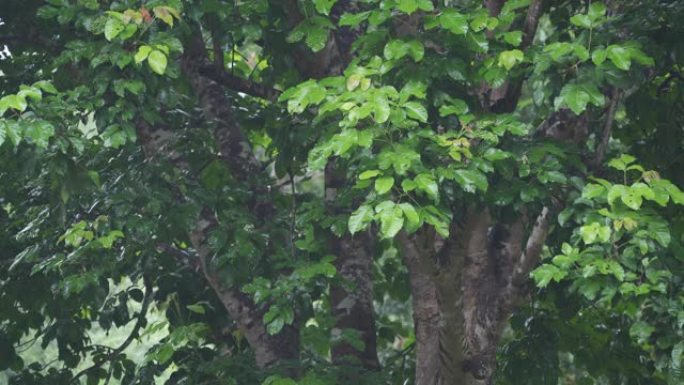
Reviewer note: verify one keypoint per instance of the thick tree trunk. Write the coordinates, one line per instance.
(464, 292)
(352, 300)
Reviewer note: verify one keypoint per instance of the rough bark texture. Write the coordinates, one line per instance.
(235, 150)
(352, 300)
(464, 292)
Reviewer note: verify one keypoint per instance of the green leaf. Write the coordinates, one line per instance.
(353, 19)
(157, 61)
(407, 6)
(620, 56)
(508, 59)
(641, 330)
(595, 232)
(416, 50)
(597, 10)
(396, 49)
(513, 38)
(113, 27)
(427, 184)
(592, 191)
(39, 132)
(16, 102)
(416, 111)
(471, 179)
(381, 109)
(599, 56)
(368, 174)
(581, 21)
(196, 308)
(360, 219)
(384, 184)
(143, 52)
(391, 221)
(324, 6)
(576, 97)
(316, 38)
(544, 274)
(454, 21)
(412, 217)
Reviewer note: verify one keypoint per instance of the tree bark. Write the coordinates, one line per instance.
(464, 292)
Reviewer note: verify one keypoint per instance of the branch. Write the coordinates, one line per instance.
(220, 76)
(607, 127)
(533, 248)
(505, 98)
(134, 333)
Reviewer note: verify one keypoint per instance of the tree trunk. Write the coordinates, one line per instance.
(464, 292)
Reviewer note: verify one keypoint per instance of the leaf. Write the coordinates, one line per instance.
(39, 132)
(360, 219)
(597, 10)
(416, 50)
(407, 6)
(427, 184)
(416, 111)
(316, 38)
(157, 61)
(113, 28)
(641, 330)
(353, 19)
(391, 221)
(544, 274)
(13, 101)
(324, 6)
(163, 13)
(353, 81)
(599, 56)
(381, 109)
(196, 308)
(620, 56)
(471, 179)
(368, 174)
(575, 98)
(508, 59)
(595, 232)
(513, 38)
(384, 184)
(581, 21)
(143, 52)
(593, 190)
(412, 217)
(454, 21)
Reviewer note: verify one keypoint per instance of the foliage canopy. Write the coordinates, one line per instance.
(332, 191)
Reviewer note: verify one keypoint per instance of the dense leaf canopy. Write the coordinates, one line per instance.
(325, 192)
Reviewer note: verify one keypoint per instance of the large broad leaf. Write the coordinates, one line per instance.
(113, 28)
(454, 21)
(360, 219)
(391, 221)
(157, 61)
(384, 184)
(416, 111)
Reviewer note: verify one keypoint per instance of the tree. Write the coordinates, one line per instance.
(287, 179)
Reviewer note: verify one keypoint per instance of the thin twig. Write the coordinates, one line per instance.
(607, 127)
(134, 333)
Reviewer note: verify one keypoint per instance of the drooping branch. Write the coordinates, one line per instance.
(235, 83)
(135, 332)
(268, 349)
